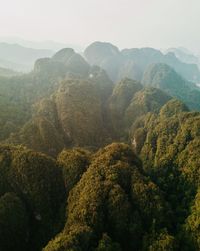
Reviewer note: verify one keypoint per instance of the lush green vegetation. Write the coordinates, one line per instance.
(168, 144)
(164, 77)
(32, 196)
(108, 200)
(92, 194)
(113, 205)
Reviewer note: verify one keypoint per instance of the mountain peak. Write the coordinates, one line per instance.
(63, 55)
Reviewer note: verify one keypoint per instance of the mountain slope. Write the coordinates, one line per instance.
(122, 197)
(18, 94)
(132, 63)
(164, 77)
(107, 202)
(31, 185)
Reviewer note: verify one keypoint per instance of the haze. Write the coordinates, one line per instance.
(126, 23)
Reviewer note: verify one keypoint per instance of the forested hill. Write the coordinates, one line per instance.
(92, 164)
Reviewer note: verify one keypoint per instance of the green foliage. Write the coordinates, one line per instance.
(161, 242)
(164, 77)
(40, 135)
(79, 106)
(14, 230)
(155, 211)
(192, 226)
(173, 107)
(75, 115)
(169, 147)
(77, 238)
(144, 101)
(120, 99)
(14, 110)
(19, 93)
(5, 165)
(110, 199)
(37, 181)
(168, 137)
(106, 244)
(74, 163)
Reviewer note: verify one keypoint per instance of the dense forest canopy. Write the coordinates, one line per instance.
(100, 152)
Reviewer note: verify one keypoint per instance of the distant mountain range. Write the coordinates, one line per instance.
(185, 55)
(47, 44)
(19, 55)
(133, 62)
(19, 58)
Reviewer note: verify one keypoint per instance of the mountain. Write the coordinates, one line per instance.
(89, 165)
(73, 61)
(184, 55)
(44, 45)
(85, 113)
(41, 104)
(112, 198)
(122, 94)
(78, 105)
(98, 52)
(132, 63)
(106, 205)
(19, 58)
(73, 117)
(164, 77)
(19, 93)
(144, 101)
(168, 145)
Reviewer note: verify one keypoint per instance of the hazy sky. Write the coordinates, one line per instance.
(126, 23)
